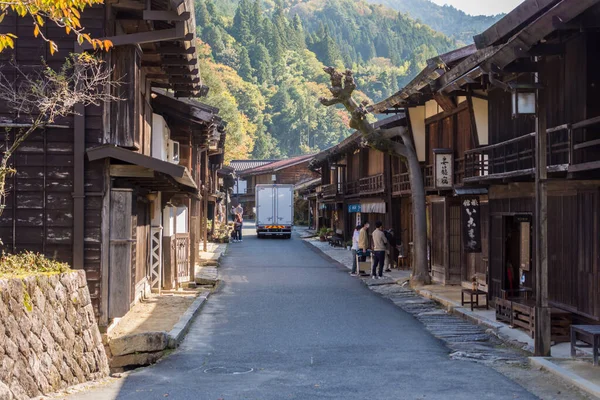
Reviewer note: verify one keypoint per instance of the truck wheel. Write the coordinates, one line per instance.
(288, 236)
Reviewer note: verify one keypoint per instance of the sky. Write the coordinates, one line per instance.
(479, 7)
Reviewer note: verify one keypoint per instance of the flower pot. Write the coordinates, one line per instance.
(322, 238)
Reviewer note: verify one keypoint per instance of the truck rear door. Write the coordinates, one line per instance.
(265, 197)
(284, 206)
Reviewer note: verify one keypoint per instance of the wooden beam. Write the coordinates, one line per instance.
(167, 62)
(181, 71)
(130, 171)
(172, 50)
(446, 102)
(172, 81)
(129, 5)
(161, 35)
(156, 15)
(513, 20)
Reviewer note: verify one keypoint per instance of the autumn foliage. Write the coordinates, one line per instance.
(64, 13)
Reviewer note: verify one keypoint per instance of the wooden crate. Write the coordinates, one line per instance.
(504, 310)
(523, 317)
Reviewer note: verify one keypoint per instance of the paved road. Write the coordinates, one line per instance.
(306, 330)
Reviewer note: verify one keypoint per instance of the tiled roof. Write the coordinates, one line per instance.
(242, 165)
(277, 165)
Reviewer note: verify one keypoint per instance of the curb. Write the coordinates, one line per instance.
(177, 333)
(566, 375)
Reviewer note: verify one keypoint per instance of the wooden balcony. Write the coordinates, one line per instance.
(401, 184)
(372, 184)
(571, 148)
(352, 189)
(330, 191)
(428, 177)
(365, 186)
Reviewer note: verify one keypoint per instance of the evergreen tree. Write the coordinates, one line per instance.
(203, 18)
(261, 62)
(241, 29)
(212, 35)
(245, 69)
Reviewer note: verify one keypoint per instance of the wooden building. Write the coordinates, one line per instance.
(532, 73)
(118, 191)
(356, 186)
(290, 171)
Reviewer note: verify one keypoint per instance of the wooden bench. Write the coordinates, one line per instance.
(589, 334)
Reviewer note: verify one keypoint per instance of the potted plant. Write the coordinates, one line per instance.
(323, 234)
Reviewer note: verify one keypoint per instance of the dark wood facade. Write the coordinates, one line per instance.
(87, 193)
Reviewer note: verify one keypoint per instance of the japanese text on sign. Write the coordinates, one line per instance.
(471, 216)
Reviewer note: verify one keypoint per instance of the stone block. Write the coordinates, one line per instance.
(138, 343)
(138, 359)
(5, 392)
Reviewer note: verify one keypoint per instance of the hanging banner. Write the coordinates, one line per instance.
(471, 221)
(443, 168)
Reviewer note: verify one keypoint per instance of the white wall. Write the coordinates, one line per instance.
(480, 109)
(182, 220)
(417, 122)
(168, 221)
(160, 136)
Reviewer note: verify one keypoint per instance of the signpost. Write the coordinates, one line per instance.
(443, 169)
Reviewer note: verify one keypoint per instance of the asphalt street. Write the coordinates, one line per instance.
(287, 323)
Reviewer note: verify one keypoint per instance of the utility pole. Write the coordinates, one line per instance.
(542, 340)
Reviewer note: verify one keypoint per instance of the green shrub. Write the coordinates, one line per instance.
(29, 263)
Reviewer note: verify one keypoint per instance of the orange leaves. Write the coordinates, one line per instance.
(64, 13)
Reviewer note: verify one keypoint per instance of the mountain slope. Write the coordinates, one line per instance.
(446, 19)
(264, 65)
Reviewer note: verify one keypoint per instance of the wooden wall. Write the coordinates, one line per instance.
(573, 237)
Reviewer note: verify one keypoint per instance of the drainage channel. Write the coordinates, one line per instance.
(467, 341)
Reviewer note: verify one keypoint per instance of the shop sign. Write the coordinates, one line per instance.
(354, 208)
(444, 168)
(471, 221)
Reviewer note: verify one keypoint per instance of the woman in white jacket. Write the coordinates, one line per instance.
(355, 236)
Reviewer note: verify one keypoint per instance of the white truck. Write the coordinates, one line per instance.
(274, 210)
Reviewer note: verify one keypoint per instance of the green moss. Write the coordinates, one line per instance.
(27, 302)
(27, 264)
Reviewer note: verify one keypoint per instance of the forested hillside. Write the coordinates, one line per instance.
(263, 62)
(446, 19)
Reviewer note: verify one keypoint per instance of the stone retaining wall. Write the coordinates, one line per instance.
(49, 336)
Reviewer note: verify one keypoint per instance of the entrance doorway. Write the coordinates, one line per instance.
(517, 253)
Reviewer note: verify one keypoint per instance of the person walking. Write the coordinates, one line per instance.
(237, 229)
(363, 241)
(239, 210)
(239, 222)
(355, 237)
(379, 247)
(390, 253)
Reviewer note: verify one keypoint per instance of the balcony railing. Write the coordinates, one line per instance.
(428, 177)
(401, 184)
(372, 184)
(352, 188)
(330, 190)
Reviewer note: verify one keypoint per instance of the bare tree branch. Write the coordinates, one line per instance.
(38, 95)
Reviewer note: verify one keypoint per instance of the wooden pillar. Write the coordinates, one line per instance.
(542, 341)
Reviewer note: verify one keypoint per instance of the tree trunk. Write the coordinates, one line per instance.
(342, 87)
(417, 189)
